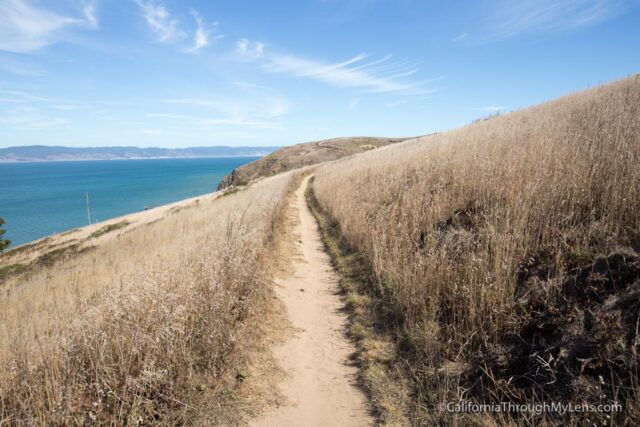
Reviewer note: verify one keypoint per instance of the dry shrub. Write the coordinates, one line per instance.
(167, 347)
(472, 237)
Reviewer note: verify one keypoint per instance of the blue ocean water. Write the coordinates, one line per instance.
(40, 199)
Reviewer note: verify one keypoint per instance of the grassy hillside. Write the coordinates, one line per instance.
(150, 322)
(502, 260)
(496, 263)
(306, 154)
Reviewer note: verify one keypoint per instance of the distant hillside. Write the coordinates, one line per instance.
(305, 154)
(40, 153)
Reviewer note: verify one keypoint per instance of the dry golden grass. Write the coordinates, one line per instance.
(153, 326)
(385, 387)
(484, 244)
(302, 155)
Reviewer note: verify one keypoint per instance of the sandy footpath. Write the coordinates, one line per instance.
(320, 382)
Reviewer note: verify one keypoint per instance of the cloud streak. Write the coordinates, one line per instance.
(511, 18)
(35, 109)
(29, 118)
(257, 106)
(89, 12)
(207, 121)
(203, 33)
(249, 50)
(18, 97)
(169, 29)
(160, 21)
(21, 69)
(460, 37)
(493, 108)
(201, 38)
(24, 27)
(382, 75)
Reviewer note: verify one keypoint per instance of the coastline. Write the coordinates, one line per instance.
(91, 234)
(45, 198)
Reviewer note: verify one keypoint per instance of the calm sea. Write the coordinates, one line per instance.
(39, 199)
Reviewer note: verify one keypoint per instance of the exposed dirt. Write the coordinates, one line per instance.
(320, 384)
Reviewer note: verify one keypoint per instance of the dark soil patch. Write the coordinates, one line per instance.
(108, 229)
(8, 270)
(576, 337)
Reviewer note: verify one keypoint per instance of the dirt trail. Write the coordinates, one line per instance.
(320, 382)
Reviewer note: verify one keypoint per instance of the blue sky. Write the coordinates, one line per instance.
(183, 73)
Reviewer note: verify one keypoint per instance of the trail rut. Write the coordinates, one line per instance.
(320, 383)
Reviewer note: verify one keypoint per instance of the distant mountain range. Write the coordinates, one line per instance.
(44, 153)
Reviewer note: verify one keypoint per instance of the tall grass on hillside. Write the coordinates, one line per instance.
(160, 325)
(505, 255)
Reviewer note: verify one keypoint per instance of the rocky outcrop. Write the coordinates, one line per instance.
(227, 181)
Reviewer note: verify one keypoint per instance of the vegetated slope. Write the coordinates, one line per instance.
(152, 326)
(504, 258)
(306, 154)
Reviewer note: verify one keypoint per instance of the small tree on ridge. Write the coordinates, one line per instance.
(3, 242)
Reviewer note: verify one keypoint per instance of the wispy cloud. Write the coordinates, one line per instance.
(27, 111)
(460, 37)
(493, 108)
(241, 108)
(152, 131)
(20, 68)
(29, 118)
(395, 103)
(89, 12)
(255, 106)
(160, 21)
(170, 29)
(204, 32)
(381, 75)
(25, 27)
(249, 50)
(30, 102)
(252, 101)
(207, 121)
(353, 103)
(15, 96)
(201, 38)
(68, 107)
(511, 18)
